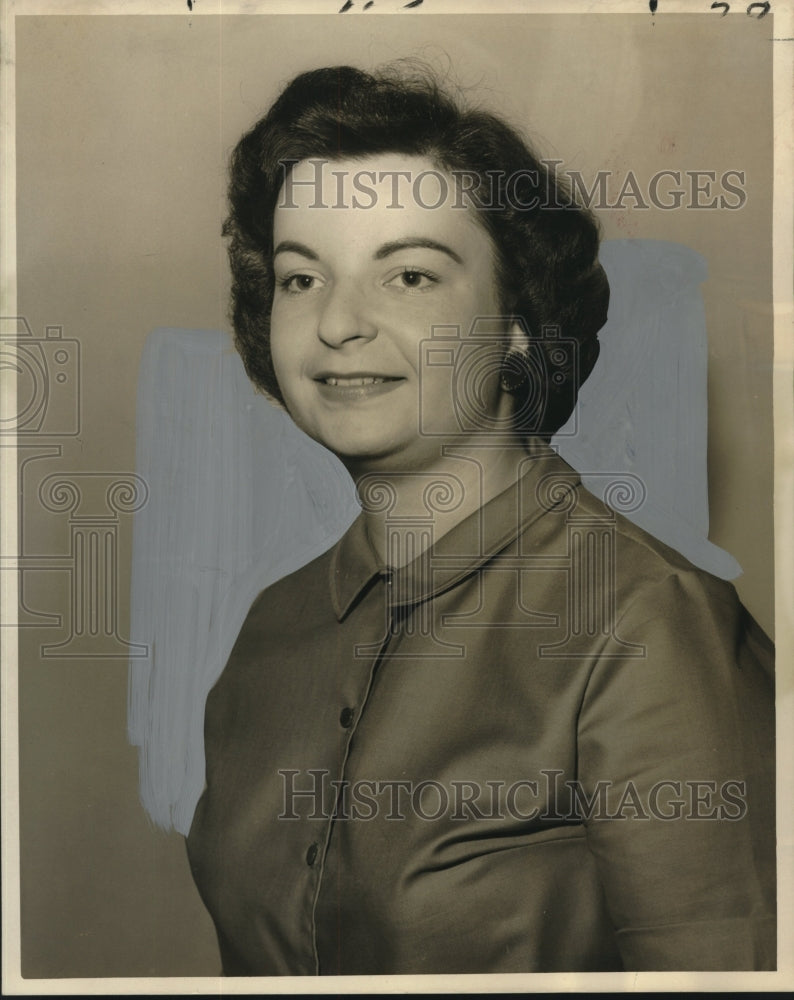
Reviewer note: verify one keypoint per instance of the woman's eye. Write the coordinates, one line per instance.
(296, 283)
(414, 279)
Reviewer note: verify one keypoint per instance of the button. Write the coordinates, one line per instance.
(311, 854)
(346, 717)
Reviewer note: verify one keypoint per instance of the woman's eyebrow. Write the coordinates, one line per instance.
(290, 246)
(410, 242)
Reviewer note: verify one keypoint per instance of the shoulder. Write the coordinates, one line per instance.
(669, 631)
(304, 592)
(680, 649)
(605, 533)
(647, 576)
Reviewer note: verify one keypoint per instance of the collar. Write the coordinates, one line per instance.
(464, 548)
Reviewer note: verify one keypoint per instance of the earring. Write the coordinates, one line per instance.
(514, 372)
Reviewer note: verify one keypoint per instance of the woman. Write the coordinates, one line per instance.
(497, 728)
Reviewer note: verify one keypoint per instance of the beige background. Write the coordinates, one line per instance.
(123, 129)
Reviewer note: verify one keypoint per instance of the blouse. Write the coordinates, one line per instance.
(545, 744)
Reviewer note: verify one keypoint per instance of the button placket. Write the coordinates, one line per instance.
(391, 626)
(347, 717)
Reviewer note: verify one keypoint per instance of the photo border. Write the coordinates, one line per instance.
(783, 256)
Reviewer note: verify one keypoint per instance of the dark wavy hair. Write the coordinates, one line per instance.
(546, 246)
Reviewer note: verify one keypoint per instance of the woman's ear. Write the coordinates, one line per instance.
(517, 338)
(515, 368)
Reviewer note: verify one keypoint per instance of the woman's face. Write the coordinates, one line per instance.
(358, 292)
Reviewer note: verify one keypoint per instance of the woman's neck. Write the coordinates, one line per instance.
(407, 511)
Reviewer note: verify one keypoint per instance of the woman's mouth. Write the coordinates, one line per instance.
(356, 386)
(363, 380)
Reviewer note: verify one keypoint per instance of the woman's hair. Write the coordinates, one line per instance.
(545, 245)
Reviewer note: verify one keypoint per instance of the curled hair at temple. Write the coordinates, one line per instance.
(546, 246)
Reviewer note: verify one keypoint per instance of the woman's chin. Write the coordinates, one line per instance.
(379, 454)
(357, 442)
(368, 455)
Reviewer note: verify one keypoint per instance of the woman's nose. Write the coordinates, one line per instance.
(345, 317)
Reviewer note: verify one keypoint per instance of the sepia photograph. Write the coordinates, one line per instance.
(397, 491)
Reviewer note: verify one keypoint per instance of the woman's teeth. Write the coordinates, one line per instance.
(354, 381)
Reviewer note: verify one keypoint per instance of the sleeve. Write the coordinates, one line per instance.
(680, 741)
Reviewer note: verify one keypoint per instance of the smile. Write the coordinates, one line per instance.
(354, 378)
(356, 387)
(364, 380)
